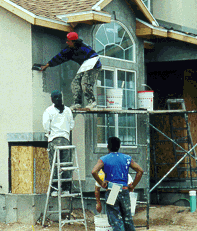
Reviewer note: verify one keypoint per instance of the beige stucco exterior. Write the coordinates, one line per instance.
(180, 12)
(16, 84)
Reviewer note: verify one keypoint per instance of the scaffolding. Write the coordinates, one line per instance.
(183, 161)
(144, 116)
(149, 128)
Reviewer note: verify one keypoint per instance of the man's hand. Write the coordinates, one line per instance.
(44, 67)
(131, 187)
(104, 184)
(98, 207)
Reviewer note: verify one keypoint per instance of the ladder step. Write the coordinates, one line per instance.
(72, 221)
(71, 195)
(69, 168)
(63, 180)
(63, 211)
(65, 147)
(65, 163)
(175, 101)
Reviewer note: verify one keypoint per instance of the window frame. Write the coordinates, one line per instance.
(130, 66)
(131, 37)
(115, 76)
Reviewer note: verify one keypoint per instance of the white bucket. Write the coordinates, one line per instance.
(101, 223)
(114, 98)
(145, 100)
(133, 200)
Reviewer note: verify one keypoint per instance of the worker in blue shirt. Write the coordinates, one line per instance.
(116, 168)
(79, 52)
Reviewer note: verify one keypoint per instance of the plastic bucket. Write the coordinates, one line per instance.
(114, 98)
(145, 100)
(101, 223)
(192, 195)
(133, 200)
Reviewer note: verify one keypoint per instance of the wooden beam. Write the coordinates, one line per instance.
(146, 31)
(88, 17)
(142, 30)
(159, 33)
(182, 37)
(144, 10)
(52, 25)
(101, 18)
(104, 3)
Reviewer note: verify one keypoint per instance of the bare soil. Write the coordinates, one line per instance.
(162, 218)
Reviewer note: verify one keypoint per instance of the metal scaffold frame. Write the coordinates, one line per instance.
(148, 125)
(187, 152)
(147, 172)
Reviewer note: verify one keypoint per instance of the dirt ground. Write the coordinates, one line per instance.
(162, 218)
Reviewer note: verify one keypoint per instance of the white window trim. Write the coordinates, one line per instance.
(148, 4)
(131, 37)
(115, 69)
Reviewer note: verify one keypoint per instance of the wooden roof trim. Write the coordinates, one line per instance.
(85, 17)
(182, 37)
(101, 4)
(146, 30)
(146, 12)
(32, 18)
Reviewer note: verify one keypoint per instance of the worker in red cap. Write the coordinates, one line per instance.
(84, 81)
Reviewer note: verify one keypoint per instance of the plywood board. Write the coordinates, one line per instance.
(22, 182)
(21, 158)
(29, 169)
(42, 169)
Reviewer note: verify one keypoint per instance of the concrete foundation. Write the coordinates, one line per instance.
(27, 208)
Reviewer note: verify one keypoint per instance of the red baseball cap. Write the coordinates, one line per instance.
(72, 36)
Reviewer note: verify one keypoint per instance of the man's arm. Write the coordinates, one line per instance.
(139, 173)
(95, 171)
(58, 59)
(97, 195)
(46, 123)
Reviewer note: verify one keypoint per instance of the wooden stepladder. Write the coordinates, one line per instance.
(61, 167)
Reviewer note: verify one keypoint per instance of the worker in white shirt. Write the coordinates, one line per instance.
(98, 187)
(58, 122)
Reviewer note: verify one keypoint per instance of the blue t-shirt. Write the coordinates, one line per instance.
(116, 167)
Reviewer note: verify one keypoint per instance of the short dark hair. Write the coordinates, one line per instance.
(114, 144)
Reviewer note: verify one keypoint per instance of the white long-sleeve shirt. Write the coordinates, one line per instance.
(57, 124)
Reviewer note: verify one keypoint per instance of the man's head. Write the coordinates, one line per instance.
(113, 144)
(71, 39)
(56, 97)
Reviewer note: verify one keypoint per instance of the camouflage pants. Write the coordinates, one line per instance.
(64, 157)
(84, 82)
(119, 214)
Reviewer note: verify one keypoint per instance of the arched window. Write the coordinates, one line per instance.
(113, 40)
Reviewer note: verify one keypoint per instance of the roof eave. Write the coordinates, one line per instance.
(86, 17)
(146, 12)
(147, 31)
(32, 18)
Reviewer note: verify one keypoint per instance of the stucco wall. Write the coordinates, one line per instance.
(16, 84)
(120, 12)
(179, 12)
(46, 43)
